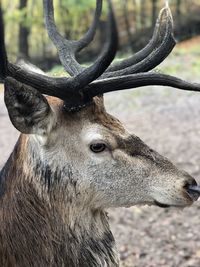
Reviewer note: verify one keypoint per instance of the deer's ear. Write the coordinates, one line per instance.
(28, 110)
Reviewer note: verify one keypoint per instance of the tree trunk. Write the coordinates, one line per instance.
(178, 9)
(24, 32)
(142, 14)
(135, 15)
(154, 12)
(127, 24)
(178, 15)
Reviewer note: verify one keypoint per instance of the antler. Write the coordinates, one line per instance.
(78, 90)
(68, 89)
(136, 81)
(67, 50)
(3, 55)
(153, 54)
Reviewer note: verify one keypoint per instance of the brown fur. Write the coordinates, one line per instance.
(34, 230)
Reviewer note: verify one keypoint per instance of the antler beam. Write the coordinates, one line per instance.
(3, 55)
(138, 80)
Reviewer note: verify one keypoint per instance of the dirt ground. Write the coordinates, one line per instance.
(168, 120)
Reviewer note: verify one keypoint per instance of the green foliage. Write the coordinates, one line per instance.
(73, 18)
(57, 71)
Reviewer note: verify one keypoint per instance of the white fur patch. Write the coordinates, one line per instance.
(92, 135)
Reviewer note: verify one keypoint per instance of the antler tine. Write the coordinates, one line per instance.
(158, 54)
(103, 61)
(136, 81)
(67, 49)
(158, 35)
(3, 54)
(89, 36)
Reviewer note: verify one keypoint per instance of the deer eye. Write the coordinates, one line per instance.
(97, 148)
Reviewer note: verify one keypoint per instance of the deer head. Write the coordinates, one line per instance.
(85, 148)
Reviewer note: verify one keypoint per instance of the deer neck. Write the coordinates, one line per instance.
(48, 216)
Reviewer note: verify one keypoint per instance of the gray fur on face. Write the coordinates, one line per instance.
(127, 173)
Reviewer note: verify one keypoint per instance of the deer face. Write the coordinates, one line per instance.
(110, 166)
(118, 167)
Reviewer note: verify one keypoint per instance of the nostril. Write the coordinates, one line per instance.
(193, 190)
(190, 182)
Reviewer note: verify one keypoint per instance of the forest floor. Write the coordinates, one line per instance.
(169, 121)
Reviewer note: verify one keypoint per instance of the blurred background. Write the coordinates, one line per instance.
(165, 118)
(26, 36)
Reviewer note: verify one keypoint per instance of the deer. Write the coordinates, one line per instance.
(73, 160)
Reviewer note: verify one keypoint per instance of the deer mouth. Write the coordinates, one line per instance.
(161, 205)
(191, 193)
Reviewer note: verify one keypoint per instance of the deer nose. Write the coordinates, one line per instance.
(193, 190)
